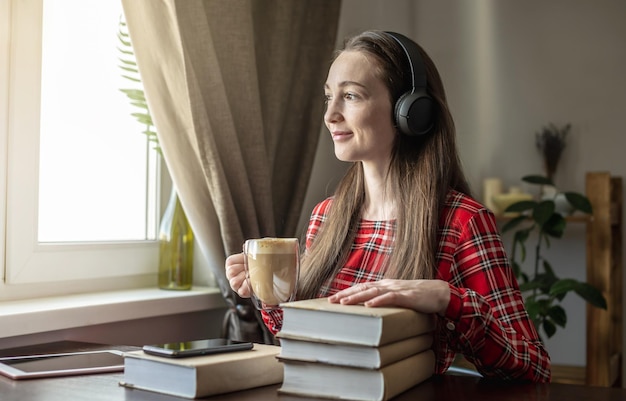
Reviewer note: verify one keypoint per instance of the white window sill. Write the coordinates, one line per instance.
(63, 312)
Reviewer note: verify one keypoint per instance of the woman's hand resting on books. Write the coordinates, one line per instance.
(236, 275)
(427, 296)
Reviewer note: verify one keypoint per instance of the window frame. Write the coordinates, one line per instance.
(33, 269)
(5, 36)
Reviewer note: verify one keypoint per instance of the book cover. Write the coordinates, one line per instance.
(201, 376)
(322, 321)
(362, 356)
(342, 382)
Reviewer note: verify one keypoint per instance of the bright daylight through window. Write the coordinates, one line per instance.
(94, 162)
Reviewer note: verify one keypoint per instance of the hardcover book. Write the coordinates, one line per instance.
(201, 376)
(342, 382)
(361, 356)
(321, 321)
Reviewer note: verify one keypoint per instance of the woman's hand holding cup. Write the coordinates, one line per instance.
(236, 275)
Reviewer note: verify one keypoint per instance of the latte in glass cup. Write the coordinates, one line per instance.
(272, 268)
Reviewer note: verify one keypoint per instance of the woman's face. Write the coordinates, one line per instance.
(358, 114)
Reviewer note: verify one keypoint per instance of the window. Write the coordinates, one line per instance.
(81, 181)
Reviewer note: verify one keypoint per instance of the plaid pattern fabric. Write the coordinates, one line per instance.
(486, 320)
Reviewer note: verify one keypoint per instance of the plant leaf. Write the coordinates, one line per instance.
(557, 315)
(544, 305)
(511, 224)
(543, 211)
(532, 307)
(133, 73)
(143, 118)
(549, 328)
(134, 94)
(140, 104)
(123, 41)
(555, 226)
(591, 294)
(563, 286)
(127, 63)
(537, 179)
(579, 202)
(522, 235)
(520, 238)
(547, 268)
(130, 71)
(546, 281)
(127, 52)
(133, 79)
(529, 286)
(549, 271)
(521, 206)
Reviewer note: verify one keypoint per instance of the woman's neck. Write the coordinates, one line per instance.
(380, 202)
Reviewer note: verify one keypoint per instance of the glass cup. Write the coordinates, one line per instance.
(272, 268)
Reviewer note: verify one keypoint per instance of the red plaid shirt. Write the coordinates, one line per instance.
(486, 320)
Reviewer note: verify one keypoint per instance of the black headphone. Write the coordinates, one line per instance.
(413, 112)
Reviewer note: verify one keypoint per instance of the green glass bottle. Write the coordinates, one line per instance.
(175, 247)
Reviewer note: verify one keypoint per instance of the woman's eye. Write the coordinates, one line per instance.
(327, 99)
(350, 96)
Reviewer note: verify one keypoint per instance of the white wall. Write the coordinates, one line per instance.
(510, 67)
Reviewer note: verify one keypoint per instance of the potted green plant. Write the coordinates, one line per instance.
(543, 291)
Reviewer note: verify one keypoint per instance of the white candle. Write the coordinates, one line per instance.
(491, 187)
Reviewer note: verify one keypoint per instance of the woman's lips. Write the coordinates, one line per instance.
(341, 135)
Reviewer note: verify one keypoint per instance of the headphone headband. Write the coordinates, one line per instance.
(413, 112)
(416, 64)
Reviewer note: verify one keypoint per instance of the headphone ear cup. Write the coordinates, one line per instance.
(414, 113)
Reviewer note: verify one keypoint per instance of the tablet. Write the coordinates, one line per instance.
(64, 364)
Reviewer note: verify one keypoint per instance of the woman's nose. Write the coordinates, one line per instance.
(332, 113)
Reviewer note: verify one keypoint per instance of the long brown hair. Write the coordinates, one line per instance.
(422, 171)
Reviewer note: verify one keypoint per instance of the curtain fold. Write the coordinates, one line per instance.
(235, 90)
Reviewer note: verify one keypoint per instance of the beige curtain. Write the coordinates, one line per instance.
(235, 90)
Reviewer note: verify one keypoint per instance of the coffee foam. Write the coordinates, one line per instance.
(273, 245)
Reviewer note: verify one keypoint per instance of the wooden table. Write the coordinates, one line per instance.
(104, 387)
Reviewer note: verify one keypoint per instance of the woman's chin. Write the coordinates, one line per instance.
(341, 156)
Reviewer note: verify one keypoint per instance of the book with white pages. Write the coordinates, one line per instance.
(312, 379)
(335, 353)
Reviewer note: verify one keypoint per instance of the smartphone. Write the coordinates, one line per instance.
(197, 347)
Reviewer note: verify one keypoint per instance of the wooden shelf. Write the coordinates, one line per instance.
(604, 271)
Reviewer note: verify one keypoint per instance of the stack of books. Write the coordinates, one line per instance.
(352, 351)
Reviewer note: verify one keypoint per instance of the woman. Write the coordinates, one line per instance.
(402, 228)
